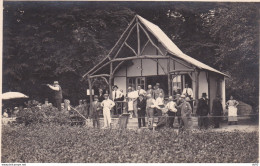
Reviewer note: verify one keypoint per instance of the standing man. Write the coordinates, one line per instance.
(57, 94)
(94, 113)
(203, 111)
(185, 112)
(150, 103)
(107, 104)
(157, 91)
(100, 95)
(150, 91)
(217, 111)
(159, 102)
(116, 94)
(188, 93)
(172, 111)
(141, 106)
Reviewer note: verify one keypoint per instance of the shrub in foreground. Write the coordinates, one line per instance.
(54, 143)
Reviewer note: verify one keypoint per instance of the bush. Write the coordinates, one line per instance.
(55, 143)
(44, 115)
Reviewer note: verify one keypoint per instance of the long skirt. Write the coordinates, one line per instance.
(232, 114)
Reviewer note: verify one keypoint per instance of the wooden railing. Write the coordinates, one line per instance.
(119, 108)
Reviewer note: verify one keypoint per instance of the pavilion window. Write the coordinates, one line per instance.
(136, 81)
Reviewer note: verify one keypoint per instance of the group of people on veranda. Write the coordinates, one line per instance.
(146, 104)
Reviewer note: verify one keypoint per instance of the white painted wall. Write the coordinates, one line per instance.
(121, 83)
(121, 71)
(149, 49)
(179, 66)
(161, 47)
(149, 67)
(135, 69)
(162, 66)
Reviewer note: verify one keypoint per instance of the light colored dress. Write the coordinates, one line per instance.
(232, 110)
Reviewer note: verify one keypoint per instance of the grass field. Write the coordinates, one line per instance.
(53, 143)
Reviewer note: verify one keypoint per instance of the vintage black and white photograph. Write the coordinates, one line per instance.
(130, 82)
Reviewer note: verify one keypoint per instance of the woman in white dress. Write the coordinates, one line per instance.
(131, 96)
(232, 110)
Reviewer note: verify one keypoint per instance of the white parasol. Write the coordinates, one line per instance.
(13, 95)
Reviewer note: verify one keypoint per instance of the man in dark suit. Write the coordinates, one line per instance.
(94, 113)
(203, 111)
(217, 111)
(141, 107)
(100, 95)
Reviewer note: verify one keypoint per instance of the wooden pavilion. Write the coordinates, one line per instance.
(145, 55)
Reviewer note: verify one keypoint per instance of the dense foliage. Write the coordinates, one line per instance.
(45, 115)
(46, 41)
(52, 143)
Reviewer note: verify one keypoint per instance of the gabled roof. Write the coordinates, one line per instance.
(172, 48)
(164, 40)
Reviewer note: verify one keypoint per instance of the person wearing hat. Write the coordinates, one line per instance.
(100, 95)
(157, 91)
(94, 113)
(80, 107)
(203, 111)
(185, 112)
(172, 111)
(57, 94)
(107, 105)
(217, 111)
(187, 91)
(141, 106)
(116, 93)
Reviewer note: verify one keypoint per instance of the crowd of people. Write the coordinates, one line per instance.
(148, 104)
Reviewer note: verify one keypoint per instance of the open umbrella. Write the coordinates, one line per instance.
(13, 95)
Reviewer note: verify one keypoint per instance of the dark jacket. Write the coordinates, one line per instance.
(217, 108)
(203, 107)
(185, 109)
(96, 107)
(58, 94)
(100, 98)
(142, 106)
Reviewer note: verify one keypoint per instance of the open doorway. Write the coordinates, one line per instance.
(178, 83)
